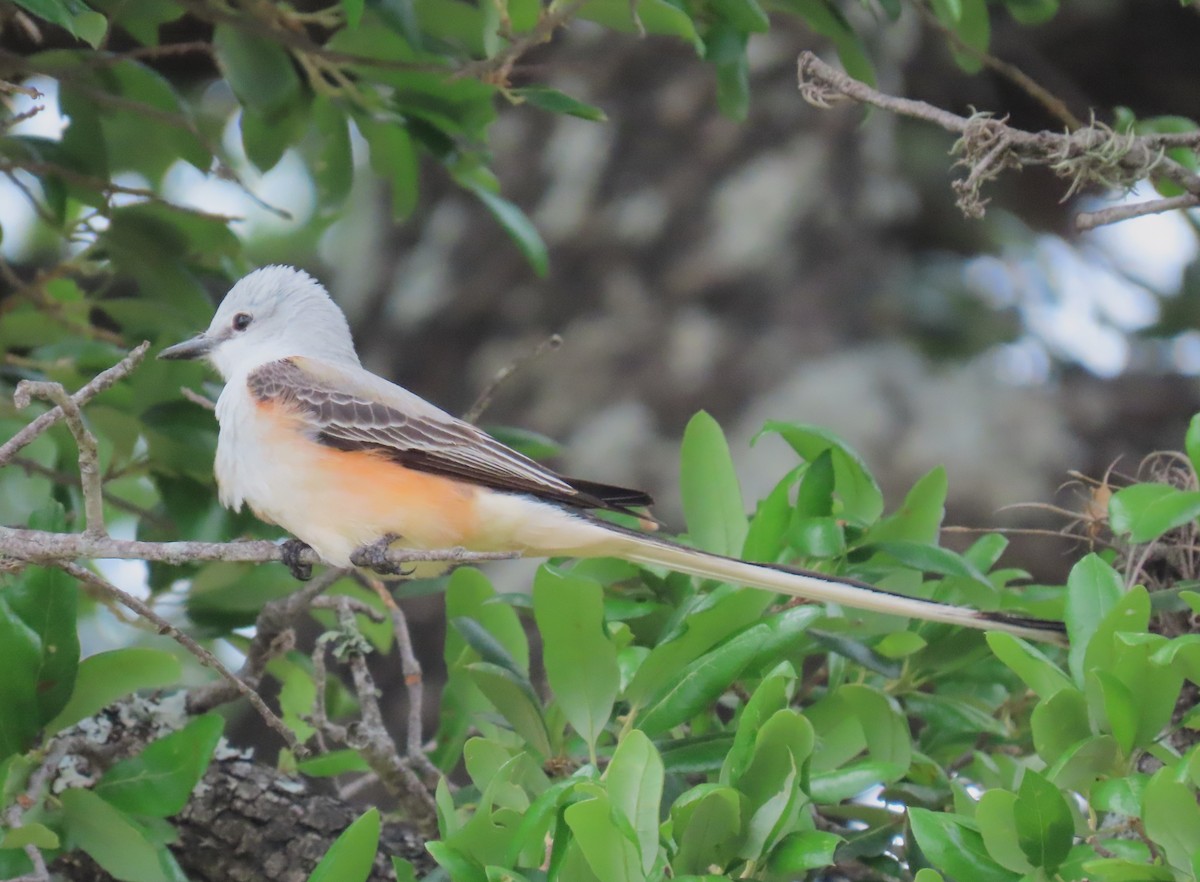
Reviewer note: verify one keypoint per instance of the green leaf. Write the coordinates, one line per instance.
(1146, 511)
(717, 619)
(37, 835)
(336, 762)
(612, 856)
(770, 782)
(1085, 763)
(948, 11)
(1032, 12)
(634, 780)
(404, 870)
(110, 838)
(861, 498)
(805, 851)
(1172, 819)
(73, 16)
(460, 867)
(159, 780)
(1114, 703)
(647, 17)
(1045, 828)
(837, 785)
(515, 222)
(20, 660)
(44, 600)
(919, 518)
(1029, 663)
(772, 695)
(1059, 722)
(900, 644)
(707, 822)
(352, 854)
(712, 497)
(581, 662)
(1093, 589)
(353, 10)
(702, 682)
(975, 30)
(394, 159)
(107, 676)
(514, 697)
(1191, 442)
(828, 21)
(545, 98)
(996, 817)
(818, 537)
(258, 70)
(931, 559)
(954, 846)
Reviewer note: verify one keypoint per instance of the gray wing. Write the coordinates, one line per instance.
(347, 416)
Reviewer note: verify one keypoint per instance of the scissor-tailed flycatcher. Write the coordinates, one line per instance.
(342, 458)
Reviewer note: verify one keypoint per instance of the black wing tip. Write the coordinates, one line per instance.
(1048, 625)
(610, 494)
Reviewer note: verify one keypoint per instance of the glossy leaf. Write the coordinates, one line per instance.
(159, 781)
(110, 838)
(107, 676)
(712, 496)
(581, 662)
(352, 854)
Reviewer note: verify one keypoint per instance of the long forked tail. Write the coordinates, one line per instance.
(640, 548)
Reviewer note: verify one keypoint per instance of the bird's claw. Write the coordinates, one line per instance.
(291, 551)
(374, 557)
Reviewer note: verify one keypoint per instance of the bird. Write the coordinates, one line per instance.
(345, 460)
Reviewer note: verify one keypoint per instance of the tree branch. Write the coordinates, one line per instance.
(1091, 155)
(38, 547)
(93, 388)
(89, 465)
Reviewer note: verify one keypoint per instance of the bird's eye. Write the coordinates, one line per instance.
(241, 321)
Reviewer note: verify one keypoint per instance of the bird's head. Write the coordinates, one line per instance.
(274, 312)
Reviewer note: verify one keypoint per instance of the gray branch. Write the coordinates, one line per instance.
(97, 385)
(1090, 155)
(38, 547)
(89, 454)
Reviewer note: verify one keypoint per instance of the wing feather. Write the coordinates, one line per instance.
(361, 412)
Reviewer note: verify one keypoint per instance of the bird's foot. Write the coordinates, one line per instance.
(374, 557)
(291, 550)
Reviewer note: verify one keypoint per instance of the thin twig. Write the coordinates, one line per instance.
(489, 391)
(206, 658)
(32, 467)
(1094, 154)
(93, 388)
(196, 398)
(1054, 105)
(1089, 220)
(89, 465)
(273, 635)
(410, 667)
(370, 736)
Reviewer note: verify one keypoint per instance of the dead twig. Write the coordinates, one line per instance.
(475, 411)
(1091, 155)
(83, 574)
(89, 464)
(93, 388)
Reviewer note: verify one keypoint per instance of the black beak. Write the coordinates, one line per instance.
(197, 347)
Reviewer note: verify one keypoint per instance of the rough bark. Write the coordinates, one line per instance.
(248, 822)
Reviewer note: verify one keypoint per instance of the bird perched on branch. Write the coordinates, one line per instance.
(346, 461)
